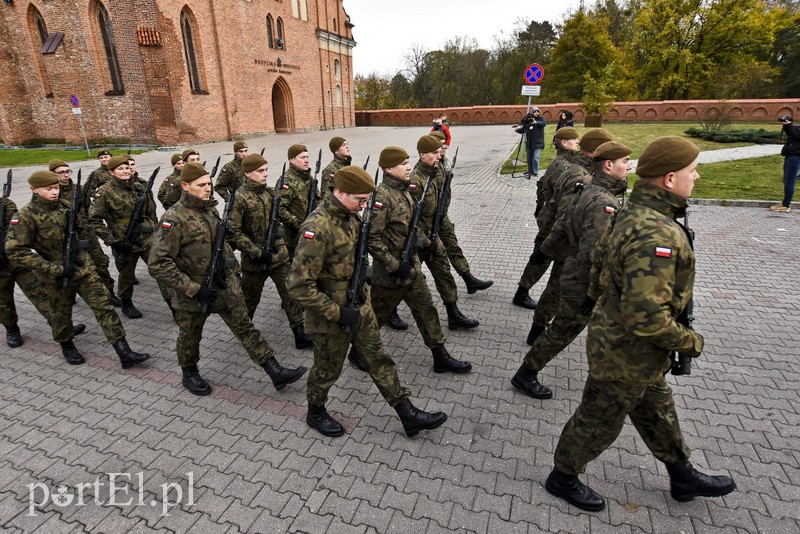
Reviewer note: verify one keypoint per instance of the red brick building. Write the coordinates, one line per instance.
(172, 72)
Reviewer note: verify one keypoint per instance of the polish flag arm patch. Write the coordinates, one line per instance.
(610, 209)
(308, 234)
(378, 205)
(285, 187)
(663, 252)
(14, 221)
(413, 187)
(166, 225)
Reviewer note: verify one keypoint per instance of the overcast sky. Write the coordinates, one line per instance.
(385, 30)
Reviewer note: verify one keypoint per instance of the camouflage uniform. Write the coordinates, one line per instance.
(320, 274)
(109, 216)
(578, 232)
(100, 176)
(231, 177)
(391, 216)
(294, 204)
(248, 225)
(36, 242)
(180, 257)
(650, 266)
(169, 192)
(326, 184)
(24, 278)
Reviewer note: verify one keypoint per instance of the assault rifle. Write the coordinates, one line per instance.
(410, 245)
(262, 151)
(312, 190)
(136, 218)
(441, 202)
(216, 271)
(355, 289)
(365, 165)
(683, 364)
(71, 242)
(272, 229)
(216, 166)
(4, 227)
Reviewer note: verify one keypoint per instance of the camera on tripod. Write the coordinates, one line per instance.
(785, 118)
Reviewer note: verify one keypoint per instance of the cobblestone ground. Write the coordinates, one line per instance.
(244, 460)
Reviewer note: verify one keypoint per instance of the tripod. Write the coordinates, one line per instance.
(516, 158)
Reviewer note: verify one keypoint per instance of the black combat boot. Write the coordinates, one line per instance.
(301, 339)
(575, 492)
(357, 360)
(71, 353)
(115, 300)
(527, 382)
(414, 419)
(127, 357)
(78, 329)
(473, 284)
(129, 310)
(282, 376)
(194, 382)
(686, 483)
(13, 336)
(536, 331)
(456, 319)
(443, 362)
(395, 322)
(319, 419)
(521, 298)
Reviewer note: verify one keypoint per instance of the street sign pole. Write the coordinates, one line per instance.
(533, 77)
(74, 102)
(83, 131)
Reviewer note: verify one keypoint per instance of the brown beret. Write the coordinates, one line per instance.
(391, 156)
(593, 139)
(566, 132)
(116, 161)
(56, 163)
(252, 162)
(175, 159)
(353, 179)
(43, 178)
(611, 150)
(188, 152)
(192, 171)
(103, 153)
(238, 145)
(665, 155)
(438, 134)
(427, 144)
(336, 143)
(296, 150)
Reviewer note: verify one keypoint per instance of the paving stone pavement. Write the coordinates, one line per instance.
(243, 459)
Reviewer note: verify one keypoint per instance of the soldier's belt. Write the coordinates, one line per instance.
(335, 285)
(119, 221)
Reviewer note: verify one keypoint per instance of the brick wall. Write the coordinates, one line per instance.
(666, 110)
(238, 72)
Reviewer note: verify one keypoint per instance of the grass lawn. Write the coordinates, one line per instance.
(40, 156)
(751, 179)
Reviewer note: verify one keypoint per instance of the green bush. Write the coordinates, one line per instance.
(758, 136)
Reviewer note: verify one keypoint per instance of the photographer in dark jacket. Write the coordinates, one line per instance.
(532, 126)
(791, 163)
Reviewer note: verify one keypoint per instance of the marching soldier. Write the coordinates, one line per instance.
(231, 176)
(110, 216)
(180, 258)
(101, 175)
(395, 280)
(341, 158)
(36, 242)
(294, 195)
(249, 222)
(190, 155)
(649, 264)
(566, 142)
(321, 272)
(169, 192)
(578, 231)
(565, 186)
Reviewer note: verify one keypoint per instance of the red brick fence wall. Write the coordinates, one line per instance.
(665, 110)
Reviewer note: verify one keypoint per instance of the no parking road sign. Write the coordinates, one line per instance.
(73, 99)
(533, 74)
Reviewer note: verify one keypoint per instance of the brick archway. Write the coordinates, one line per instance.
(282, 106)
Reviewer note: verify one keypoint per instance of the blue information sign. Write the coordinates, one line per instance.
(73, 99)
(533, 73)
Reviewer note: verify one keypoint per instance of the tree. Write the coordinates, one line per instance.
(371, 91)
(601, 92)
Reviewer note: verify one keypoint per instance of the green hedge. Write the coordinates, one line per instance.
(758, 136)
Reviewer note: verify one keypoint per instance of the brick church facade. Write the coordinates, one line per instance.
(171, 72)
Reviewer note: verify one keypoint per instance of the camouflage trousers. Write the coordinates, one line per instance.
(454, 252)
(190, 332)
(253, 286)
(562, 330)
(419, 299)
(439, 266)
(551, 296)
(330, 351)
(532, 274)
(127, 273)
(96, 296)
(31, 288)
(598, 421)
(101, 262)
